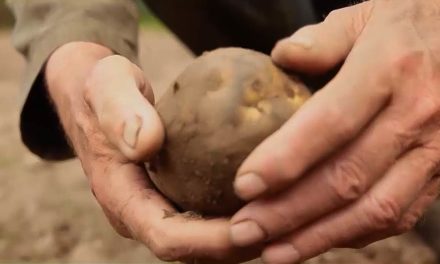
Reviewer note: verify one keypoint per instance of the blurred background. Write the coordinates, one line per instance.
(47, 212)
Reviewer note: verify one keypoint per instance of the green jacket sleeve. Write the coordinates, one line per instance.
(44, 25)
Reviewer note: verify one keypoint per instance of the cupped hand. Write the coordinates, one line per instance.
(106, 107)
(359, 162)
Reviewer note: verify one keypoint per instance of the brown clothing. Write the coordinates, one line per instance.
(44, 25)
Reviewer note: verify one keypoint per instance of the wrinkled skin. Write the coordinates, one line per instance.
(106, 107)
(369, 167)
(369, 172)
(222, 106)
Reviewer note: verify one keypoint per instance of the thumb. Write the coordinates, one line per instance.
(316, 49)
(123, 104)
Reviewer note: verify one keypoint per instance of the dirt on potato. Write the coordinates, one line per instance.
(49, 215)
(215, 114)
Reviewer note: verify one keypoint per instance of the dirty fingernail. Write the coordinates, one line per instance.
(249, 186)
(246, 233)
(131, 131)
(301, 40)
(281, 254)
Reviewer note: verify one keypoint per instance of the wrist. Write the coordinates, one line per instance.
(68, 67)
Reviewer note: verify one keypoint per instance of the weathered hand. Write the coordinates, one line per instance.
(102, 102)
(359, 162)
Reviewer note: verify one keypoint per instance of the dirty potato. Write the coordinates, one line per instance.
(218, 110)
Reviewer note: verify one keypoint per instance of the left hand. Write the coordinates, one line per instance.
(106, 106)
(359, 162)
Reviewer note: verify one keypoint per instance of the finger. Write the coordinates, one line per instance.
(124, 105)
(380, 210)
(319, 48)
(409, 219)
(117, 224)
(127, 194)
(331, 118)
(179, 237)
(333, 184)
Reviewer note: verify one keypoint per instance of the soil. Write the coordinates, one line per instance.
(48, 213)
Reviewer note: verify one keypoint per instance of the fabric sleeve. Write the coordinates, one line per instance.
(44, 25)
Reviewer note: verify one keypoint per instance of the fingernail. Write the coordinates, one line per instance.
(301, 40)
(249, 186)
(246, 233)
(281, 254)
(131, 131)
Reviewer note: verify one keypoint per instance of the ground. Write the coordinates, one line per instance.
(48, 213)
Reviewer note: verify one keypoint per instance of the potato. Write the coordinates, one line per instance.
(218, 110)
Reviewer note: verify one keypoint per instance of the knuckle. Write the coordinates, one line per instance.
(385, 213)
(402, 137)
(306, 30)
(335, 15)
(346, 127)
(407, 61)
(353, 17)
(427, 107)
(409, 58)
(346, 179)
(427, 161)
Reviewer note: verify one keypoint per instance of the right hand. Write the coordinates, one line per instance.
(107, 110)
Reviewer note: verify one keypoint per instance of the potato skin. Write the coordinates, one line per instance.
(218, 110)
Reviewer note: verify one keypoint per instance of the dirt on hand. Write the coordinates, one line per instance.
(48, 213)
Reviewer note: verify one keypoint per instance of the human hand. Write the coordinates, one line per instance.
(106, 107)
(360, 161)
